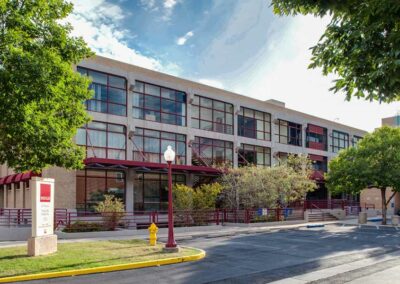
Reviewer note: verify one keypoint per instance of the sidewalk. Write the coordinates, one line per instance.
(181, 233)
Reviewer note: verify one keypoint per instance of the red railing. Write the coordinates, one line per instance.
(15, 217)
(142, 219)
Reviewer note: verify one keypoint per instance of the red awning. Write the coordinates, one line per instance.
(317, 175)
(9, 179)
(316, 157)
(18, 177)
(100, 162)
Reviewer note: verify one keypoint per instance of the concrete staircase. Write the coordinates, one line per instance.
(318, 216)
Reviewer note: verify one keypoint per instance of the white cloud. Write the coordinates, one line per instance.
(169, 4)
(168, 9)
(280, 72)
(211, 82)
(98, 22)
(182, 40)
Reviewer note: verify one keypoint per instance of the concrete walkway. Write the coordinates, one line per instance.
(181, 233)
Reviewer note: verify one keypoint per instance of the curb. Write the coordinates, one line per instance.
(102, 269)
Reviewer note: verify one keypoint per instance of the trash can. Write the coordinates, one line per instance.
(395, 220)
(362, 218)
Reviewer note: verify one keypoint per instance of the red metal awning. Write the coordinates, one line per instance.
(100, 162)
(317, 176)
(17, 177)
(9, 179)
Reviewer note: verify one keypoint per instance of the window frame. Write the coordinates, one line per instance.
(264, 121)
(266, 150)
(346, 141)
(86, 176)
(161, 153)
(213, 109)
(142, 188)
(213, 142)
(324, 137)
(108, 86)
(107, 131)
(287, 135)
(160, 99)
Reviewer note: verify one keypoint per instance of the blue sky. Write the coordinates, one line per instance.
(237, 45)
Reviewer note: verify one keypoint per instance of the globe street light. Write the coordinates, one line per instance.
(169, 156)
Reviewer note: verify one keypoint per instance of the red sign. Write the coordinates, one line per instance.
(45, 190)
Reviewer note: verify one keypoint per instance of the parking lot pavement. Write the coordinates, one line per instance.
(334, 254)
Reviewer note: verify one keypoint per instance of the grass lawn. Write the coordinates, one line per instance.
(14, 261)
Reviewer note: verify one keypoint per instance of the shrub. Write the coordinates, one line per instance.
(112, 210)
(80, 226)
(183, 197)
(205, 196)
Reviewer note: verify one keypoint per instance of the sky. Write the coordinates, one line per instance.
(237, 45)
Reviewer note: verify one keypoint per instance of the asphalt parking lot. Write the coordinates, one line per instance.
(334, 254)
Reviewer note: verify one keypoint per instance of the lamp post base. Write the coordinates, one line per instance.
(171, 249)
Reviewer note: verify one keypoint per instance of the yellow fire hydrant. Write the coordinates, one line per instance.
(153, 229)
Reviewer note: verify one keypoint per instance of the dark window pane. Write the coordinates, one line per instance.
(117, 82)
(117, 96)
(98, 77)
(168, 106)
(117, 109)
(152, 103)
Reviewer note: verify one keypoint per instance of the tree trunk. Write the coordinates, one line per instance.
(384, 207)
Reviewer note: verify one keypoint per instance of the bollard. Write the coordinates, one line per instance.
(153, 229)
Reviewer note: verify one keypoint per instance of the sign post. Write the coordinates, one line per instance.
(43, 240)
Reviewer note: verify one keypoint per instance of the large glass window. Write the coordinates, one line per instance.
(317, 137)
(254, 124)
(155, 103)
(255, 155)
(207, 152)
(151, 190)
(212, 115)
(103, 140)
(340, 140)
(92, 185)
(109, 92)
(150, 145)
(289, 133)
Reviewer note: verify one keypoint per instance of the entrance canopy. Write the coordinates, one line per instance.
(17, 177)
(124, 164)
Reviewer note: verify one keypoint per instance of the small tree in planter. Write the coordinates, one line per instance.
(112, 210)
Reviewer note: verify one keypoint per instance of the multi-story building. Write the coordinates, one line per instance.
(137, 113)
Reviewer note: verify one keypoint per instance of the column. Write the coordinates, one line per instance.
(129, 196)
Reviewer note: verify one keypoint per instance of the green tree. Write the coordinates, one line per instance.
(361, 44)
(374, 162)
(253, 186)
(41, 97)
